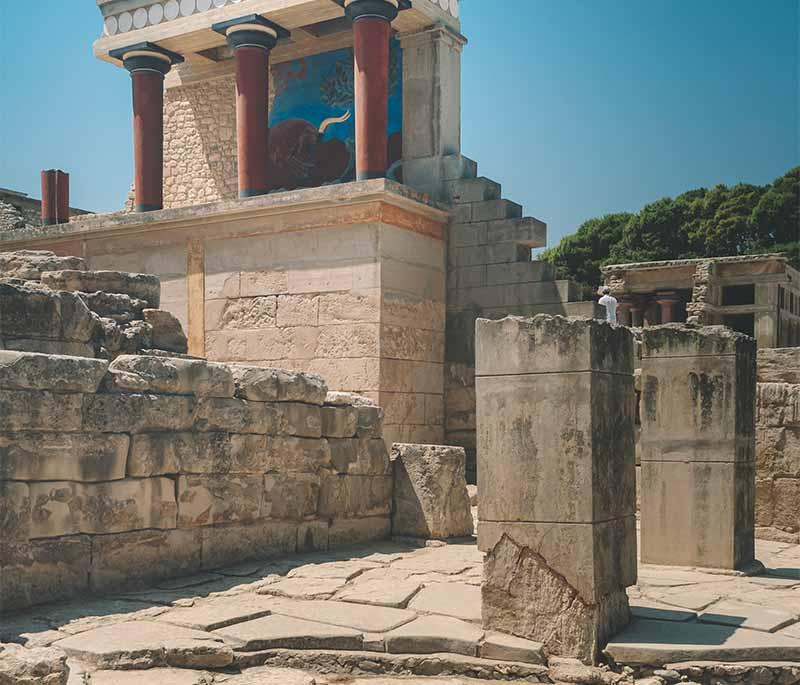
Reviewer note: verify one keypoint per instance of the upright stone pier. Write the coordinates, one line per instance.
(555, 418)
(698, 446)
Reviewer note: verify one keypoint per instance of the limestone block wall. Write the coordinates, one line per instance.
(118, 474)
(490, 274)
(778, 445)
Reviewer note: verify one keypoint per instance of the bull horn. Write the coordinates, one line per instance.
(333, 120)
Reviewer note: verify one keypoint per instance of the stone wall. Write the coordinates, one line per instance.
(778, 445)
(117, 474)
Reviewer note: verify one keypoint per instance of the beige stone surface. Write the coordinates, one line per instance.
(42, 666)
(29, 264)
(26, 370)
(297, 455)
(344, 496)
(274, 632)
(278, 385)
(262, 539)
(219, 612)
(15, 510)
(167, 331)
(339, 422)
(432, 634)
(360, 457)
(293, 496)
(173, 376)
(141, 286)
(206, 500)
(368, 619)
(430, 495)
(35, 410)
(138, 412)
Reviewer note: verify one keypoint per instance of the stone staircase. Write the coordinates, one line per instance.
(491, 274)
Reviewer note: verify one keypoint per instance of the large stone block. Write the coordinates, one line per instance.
(170, 375)
(339, 422)
(546, 344)
(67, 508)
(141, 286)
(430, 492)
(298, 419)
(786, 498)
(130, 560)
(278, 385)
(137, 412)
(698, 513)
(778, 452)
(30, 371)
(586, 419)
(297, 455)
(778, 404)
(15, 511)
(354, 496)
(25, 666)
(207, 500)
(346, 532)
(235, 415)
(780, 365)
(360, 456)
(28, 265)
(39, 410)
(225, 545)
(167, 332)
(82, 457)
(290, 496)
(370, 415)
(43, 571)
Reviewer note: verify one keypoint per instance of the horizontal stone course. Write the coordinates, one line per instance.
(139, 286)
(30, 371)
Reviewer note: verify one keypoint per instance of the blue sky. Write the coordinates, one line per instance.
(578, 107)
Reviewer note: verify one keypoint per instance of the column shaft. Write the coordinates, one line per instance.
(49, 198)
(371, 46)
(148, 139)
(252, 113)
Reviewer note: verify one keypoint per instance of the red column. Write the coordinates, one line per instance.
(252, 117)
(62, 198)
(371, 48)
(148, 139)
(49, 198)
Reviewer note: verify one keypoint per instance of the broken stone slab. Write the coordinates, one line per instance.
(434, 634)
(502, 647)
(370, 415)
(278, 385)
(284, 632)
(31, 371)
(38, 666)
(69, 508)
(153, 676)
(458, 600)
(754, 617)
(29, 264)
(219, 612)
(304, 588)
(339, 422)
(381, 591)
(368, 619)
(140, 286)
(120, 308)
(147, 644)
(138, 412)
(430, 493)
(655, 643)
(167, 332)
(82, 457)
(648, 609)
(170, 375)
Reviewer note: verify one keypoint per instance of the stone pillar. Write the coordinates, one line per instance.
(372, 29)
(251, 38)
(55, 197)
(432, 109)
(698, 446)
(148, 64)
(555, 422)
(668, 303)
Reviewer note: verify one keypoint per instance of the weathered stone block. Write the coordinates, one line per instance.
(137, 413)
(430, 492)
(560, 344)
(120, 308)
(29, 264)
(360, 456)
(141, 286)
(15, 511)
(778, 404)
(167, 332)
(298, 419)
(25, 666)
(206, 500)
(83, 457)
(67, 508)
(30, 371)
(698, 513)
(292, 496)
(224, 545)
(786, 497)
(778, 452)
(130, 560)
(235, 415)
(34, 410)
(43, 571)
(780, 365)
(170, 375)
(352, 496)
(339, 422)
(278, 385)
(346, 532)
(297, 455)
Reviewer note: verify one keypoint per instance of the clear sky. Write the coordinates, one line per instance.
(578, 107)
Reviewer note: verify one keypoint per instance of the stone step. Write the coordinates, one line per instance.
(493, 253)
(499, 274)
(466, 190)
(525, 231)
(545, 292)
(458, 166)
(138, 286)
(490, 210)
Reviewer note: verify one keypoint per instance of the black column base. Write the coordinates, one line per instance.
(369, 175)
(147, 208)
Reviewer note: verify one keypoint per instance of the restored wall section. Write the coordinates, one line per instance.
(118, 475)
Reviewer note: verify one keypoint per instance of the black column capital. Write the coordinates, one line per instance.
(146, 57)
(252, 30)
(376, 9)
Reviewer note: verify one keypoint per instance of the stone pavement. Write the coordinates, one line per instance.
(393, 609)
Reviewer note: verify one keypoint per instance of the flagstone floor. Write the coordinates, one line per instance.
(384, 606)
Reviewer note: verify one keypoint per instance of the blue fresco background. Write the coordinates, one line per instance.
(317, 88)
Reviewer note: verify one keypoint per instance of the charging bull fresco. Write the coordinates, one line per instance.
(312, 120)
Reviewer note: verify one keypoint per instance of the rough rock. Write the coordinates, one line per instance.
(29, 264)
(170, 375)
(278, 385)
(39, 666)
(139, 286)
(167, 333)
(28, 370)
(430, 496)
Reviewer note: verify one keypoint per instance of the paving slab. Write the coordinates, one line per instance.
(696, 600)
(458, 600)
(153, 676)
(343, 570)
(285, 632)
(146, 644)
(645, 608)
(304, 588)
(509, 648)
(370, 619)
(656, 643)
(219, 612)
(432, 634)
(750, 616)
(379, 592)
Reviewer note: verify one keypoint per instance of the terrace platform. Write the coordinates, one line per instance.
(409, 612)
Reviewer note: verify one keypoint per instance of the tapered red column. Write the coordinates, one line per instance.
(252, 38)
(55, 197)
(148, 64)
(372, 30)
